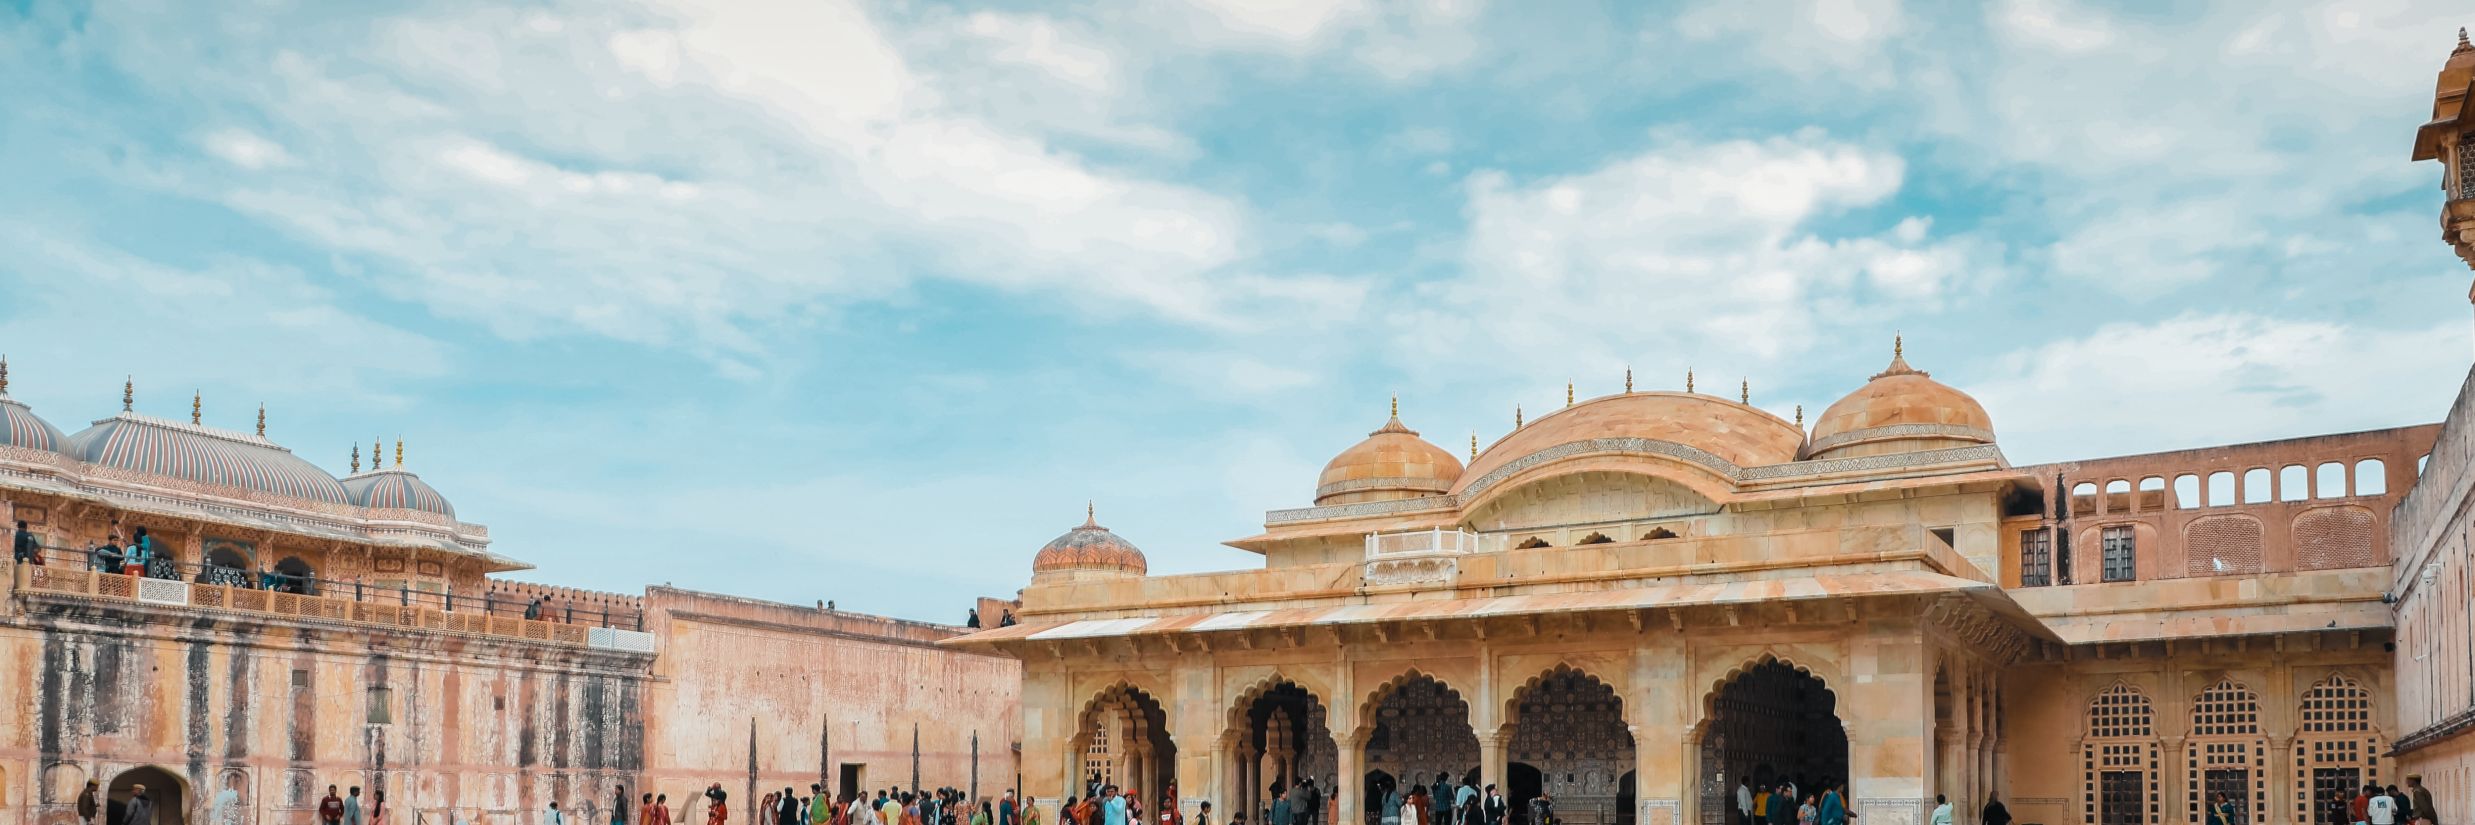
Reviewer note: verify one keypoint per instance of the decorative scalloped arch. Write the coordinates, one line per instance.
(1512, 702)
(1819, 671)
(1368, 703)
(1245, 699)
(2122, 695)
(1122, 683)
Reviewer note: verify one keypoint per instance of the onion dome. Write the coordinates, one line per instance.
(194, 453)
(1089, 549)
(1392, 463)
(395, 488)
(20, 427)
(1901, 410)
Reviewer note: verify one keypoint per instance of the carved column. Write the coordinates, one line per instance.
(1491, 759)
(1350, 786)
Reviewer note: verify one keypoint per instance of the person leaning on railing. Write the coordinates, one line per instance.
(29, 550)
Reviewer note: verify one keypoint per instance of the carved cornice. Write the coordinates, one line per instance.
(1432, 485)
(1902, 431)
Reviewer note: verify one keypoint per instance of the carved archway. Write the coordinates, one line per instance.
(168, 793)
(1569, 725)
(1279, 734)
(1122, 738)
(1417, 726)
(1768, 721)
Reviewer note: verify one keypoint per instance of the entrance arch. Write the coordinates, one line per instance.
(1123, 739)
(1282, 737)
(1420, 727)
(163, 788)
(1569, 727)
(1771, 723)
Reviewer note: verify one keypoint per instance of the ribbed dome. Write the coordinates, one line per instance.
(204, 455)
(19, 426)
(1392, 463)
(396, 489)
(1092, 548)
(1901, 410)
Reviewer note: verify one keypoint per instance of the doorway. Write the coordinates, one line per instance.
(1522, 782)
(846, 786)
(163, 789)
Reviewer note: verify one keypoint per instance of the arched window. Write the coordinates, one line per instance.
(2119, 758)
(2330, 480)
(2335, 745)
(2187, 492)
(2371, 477)
(2084, 497)
(1658, 533)
(2256, 486)
(2118, 496)
(292, 575)
(2294, 483)
(1531, 543)
(2153, 493)
(2226, 753)
(2221, 488)
(1596, 538)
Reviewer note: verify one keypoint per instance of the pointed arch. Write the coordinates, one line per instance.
(1569, 726)
(1562, 669)
(1368, 702)
(1819, 670)
(2120, 711)
(1244, 699)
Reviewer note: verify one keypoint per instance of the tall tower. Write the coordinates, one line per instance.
(2450, 138)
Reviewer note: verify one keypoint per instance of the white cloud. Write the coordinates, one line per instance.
(1395, 39)
(2054, 24)
(2220, 378)
(1046, 45)
(1845, 38)
(1702, 248)
(246, 150)
(1289, 23)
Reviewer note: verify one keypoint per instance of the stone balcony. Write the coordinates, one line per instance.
(41, 581)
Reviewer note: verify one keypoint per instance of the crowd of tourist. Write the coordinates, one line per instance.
(2368, 805)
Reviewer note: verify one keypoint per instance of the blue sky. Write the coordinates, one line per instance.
(862, 300)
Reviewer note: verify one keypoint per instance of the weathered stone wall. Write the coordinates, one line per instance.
(277, 710)
(2433, 585)
(760, 696)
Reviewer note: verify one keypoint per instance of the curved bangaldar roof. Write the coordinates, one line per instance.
(1901, 410)
(202, 455)
(396, 489)
(1687, 426)
(1392, 463)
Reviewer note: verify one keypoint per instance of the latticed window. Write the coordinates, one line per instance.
(1096, 758)
(2121, 712)
(2036, 558)
(2120, 554)
(2337, 706)
(2466, 166)
(2227, 709)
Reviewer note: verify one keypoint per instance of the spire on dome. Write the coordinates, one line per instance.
(1396, 406)
(378, 455)
(399, 453)
(1568, 393)
(356, 458)
(1800, 416)
(1899, 361)
(128, 393)
(2463, 46)
(1516, 416)
(1688, 379)
(1744, 390)
(4, 375)
(197, 407)
(1393, 424)
(1473, 446)
(261, 419)
(1628, 380)
(1091, 516)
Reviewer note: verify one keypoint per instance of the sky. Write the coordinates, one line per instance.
(863, 300)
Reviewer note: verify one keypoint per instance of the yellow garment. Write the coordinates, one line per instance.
(1761, 805)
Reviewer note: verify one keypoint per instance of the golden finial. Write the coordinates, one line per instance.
(1800, 416)
(1899, 345)
(378, 453)
(197, 407)
(1516, 416)
(128, 393)
(1688, 379)
(1091, 517)
(1628, 380)
(399, 453)
(356, 457)
(1744, 391)
(1568, 393)
(261, 419)
(1473, 446)
(4, 375)
(1396, 406)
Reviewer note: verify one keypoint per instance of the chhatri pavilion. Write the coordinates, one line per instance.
(1637, 601)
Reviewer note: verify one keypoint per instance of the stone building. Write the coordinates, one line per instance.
(301, 630)
(2433, 583)
(1637, 601)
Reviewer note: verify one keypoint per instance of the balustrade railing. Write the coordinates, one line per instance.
(222, 587)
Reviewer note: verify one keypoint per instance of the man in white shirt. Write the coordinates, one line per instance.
(2384, 810)
(1942, 810)
(553, 817)
(1744, 801)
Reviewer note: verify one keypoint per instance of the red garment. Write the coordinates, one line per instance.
(331, 809)
(2360, 809)
(720, 815)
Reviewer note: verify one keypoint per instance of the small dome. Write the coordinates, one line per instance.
(1392, 463)
(203, 455)
(1901, 410)
(396, 489)
(1089, 548)
(20, 427)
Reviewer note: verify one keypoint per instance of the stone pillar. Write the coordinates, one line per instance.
(1240, 797)
(1888, 707)
(1660, 713)
(2281, 781)
(1350, 786)
(2171, 776)
(1491, 761)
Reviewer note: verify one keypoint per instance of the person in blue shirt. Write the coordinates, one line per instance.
(1112, 806)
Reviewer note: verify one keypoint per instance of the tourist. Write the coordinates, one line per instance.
(2404, 806)
(618, 805)
(717, 805)
(2221, 811)
(986, 816)
(2359, 809)
(1030, 810)
(331, 809)
(2380, 809)
(1542, 809)
(2333, 809)
(1005, 808)
(1413, 809)
(661, 810)
(532, 610)
(1203, 813)
(554, 816)
(87, 807)
(352, 808)
(1439, 800)
(889, 811)
(820, 808)
(1134, 806)
(1496, 809)
(378, 806)
(1089, 812)
(1112, 806)
(1806, 813)
(29, 548)
(1465, 803)
(1783, 806)
(1833, 810)
(1314, 802)
(140, 811)
(2419, 801)
(1994, 813)
(1942, 810)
